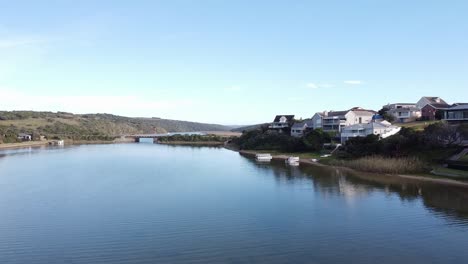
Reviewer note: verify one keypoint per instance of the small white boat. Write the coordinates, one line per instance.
(263, 157)
(292, 161)
(314, 160)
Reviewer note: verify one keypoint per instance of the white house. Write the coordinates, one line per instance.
(335, 121)
(382, 129)
(298, 129)
(403, 112)
(317, 120)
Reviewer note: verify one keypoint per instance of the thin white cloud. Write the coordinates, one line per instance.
(353, 82)
(319, 85)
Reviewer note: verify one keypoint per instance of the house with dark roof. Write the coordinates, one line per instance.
(282, 121)
(457, 114)
(433, 111)
(425, 100)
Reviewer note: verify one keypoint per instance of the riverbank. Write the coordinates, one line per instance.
(197, 143)
(28, 144)
(362, 174)
(25, 144)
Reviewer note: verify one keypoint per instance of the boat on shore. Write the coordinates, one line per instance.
(263, 157)
(292, 161)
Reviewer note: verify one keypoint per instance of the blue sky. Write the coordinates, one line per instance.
(229, 62)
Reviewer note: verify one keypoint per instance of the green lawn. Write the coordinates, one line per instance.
(452, 173)
(464, 158)
(418, 125)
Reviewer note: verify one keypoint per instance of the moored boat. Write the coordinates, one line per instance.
(263, 157)
(293, 161)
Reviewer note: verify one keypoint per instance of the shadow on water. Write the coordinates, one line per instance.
(449, 202)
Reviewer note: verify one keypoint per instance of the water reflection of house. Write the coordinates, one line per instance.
(350, 190)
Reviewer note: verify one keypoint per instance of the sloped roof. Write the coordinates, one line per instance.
(459, 107)
(298, 125)
(364, 111)
(383, 124)
(438, 106)
(435, 100)
(289, 118)
(336, 113)
(309, 122)
(404, 109)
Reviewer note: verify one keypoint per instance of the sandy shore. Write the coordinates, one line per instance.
(26, 144)
(367, 175)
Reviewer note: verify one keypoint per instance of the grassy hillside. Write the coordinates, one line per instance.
(91, 126)
(248, 128)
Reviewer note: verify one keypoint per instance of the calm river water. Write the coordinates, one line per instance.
(146, 203)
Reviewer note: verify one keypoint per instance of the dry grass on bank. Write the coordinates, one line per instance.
(384, 165)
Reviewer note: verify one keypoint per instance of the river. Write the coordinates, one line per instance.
(149, 203)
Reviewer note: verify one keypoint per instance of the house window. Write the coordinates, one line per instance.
(360, 120)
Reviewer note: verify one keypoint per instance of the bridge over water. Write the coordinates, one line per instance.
(155, 137)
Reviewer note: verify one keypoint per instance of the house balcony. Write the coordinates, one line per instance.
(278, 125)
(332, 127)
(333, 122)
(406, 115)
(353, 134)
(456, 116)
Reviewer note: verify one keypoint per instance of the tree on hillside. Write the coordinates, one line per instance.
(386, 116)
(315, 138)
(443, 134)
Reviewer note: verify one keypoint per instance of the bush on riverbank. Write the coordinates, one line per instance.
(268, 140)
(437, 141)
(381, 164)
(264, 139)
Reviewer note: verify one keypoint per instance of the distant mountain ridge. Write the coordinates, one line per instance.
(248, 128)
(69, 124)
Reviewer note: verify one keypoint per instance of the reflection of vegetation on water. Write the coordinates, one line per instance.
(448, 201)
